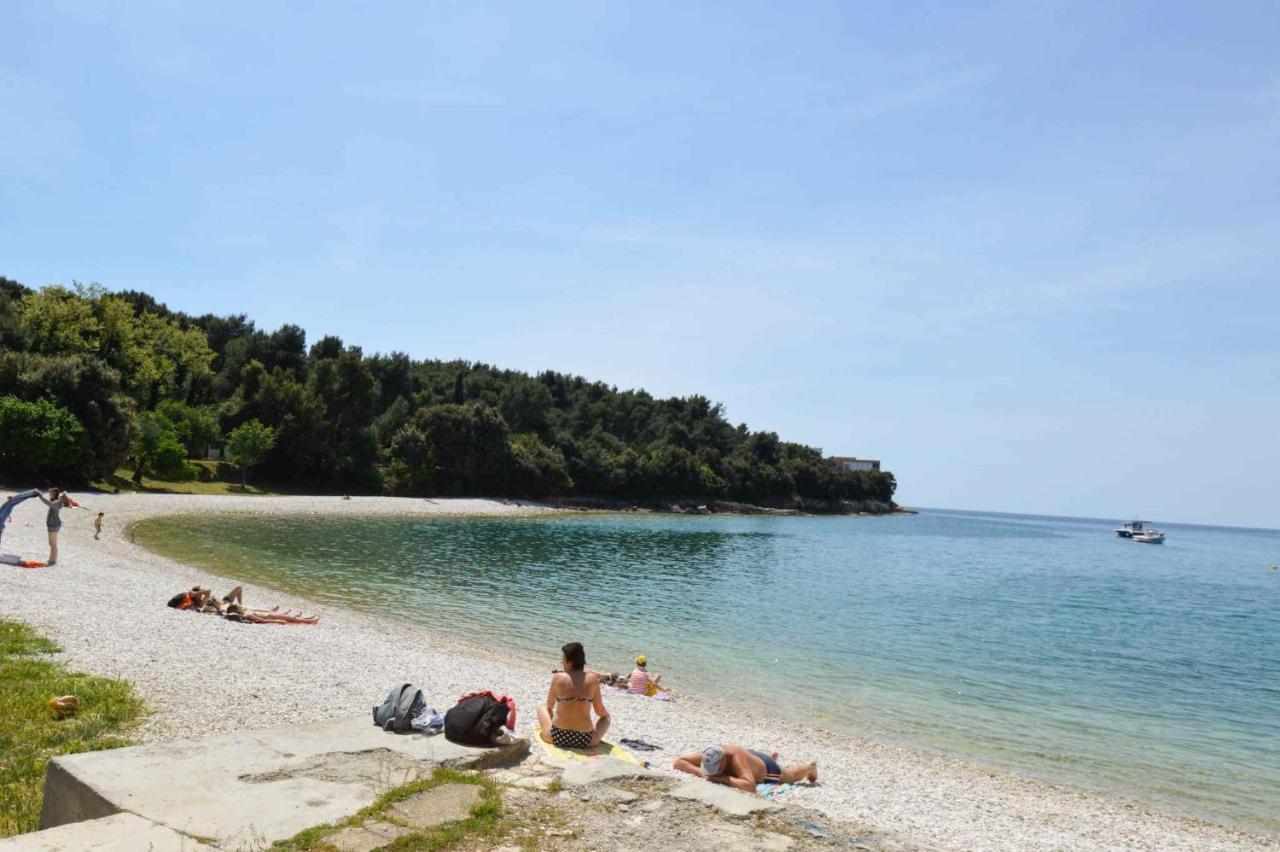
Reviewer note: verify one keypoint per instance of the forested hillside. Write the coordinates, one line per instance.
(91, 381)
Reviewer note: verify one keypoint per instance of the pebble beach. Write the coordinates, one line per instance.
(104, 605)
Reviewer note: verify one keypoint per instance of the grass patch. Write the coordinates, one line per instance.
(645, 786)
(30, 735)
(485, 824)
(122, 482)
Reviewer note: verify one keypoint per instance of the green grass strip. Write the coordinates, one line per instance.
(483, 826)
(30, 735)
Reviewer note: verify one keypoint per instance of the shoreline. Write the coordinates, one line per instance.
(104, 604)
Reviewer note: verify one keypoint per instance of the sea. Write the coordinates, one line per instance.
(1046, 646)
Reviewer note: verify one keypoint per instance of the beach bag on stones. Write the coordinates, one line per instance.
(475, 721)
(403, 703)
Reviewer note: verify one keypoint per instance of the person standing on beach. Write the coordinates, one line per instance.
(97, 525)
(56, 501)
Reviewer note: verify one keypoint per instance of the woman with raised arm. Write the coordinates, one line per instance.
(56, 501)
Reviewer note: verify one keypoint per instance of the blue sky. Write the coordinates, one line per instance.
(1025, 253)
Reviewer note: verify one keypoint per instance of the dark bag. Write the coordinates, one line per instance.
(403, 704)
(475, 721)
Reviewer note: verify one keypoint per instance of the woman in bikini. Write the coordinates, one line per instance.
(566, 719)
(232, 608)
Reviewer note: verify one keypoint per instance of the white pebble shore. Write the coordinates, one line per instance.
(104, 604)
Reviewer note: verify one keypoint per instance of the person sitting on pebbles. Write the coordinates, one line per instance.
(743, 768)
(642, 681)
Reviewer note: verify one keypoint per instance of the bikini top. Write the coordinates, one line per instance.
(573, 698)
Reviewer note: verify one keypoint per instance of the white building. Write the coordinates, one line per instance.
(855, 463)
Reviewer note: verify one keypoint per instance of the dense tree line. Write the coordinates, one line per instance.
(91, 381)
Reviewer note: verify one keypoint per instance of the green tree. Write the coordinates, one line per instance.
(39, 438)
(157, 450)
(248, 444)
(538, 470)
(410, 462)
(346, 386)
(58, 321)
(287, 349)
(11, 295)
(156, 356)
(459, 388)
(525, 405)
(451, 427)
(88, 389)
(196, 427)
(469, 445)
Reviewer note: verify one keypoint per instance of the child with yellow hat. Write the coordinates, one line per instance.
(641, 681)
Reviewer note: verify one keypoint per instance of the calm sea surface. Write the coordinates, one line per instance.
(1044, 645)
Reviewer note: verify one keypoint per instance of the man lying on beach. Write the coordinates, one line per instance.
(743, 769)
(232, 608)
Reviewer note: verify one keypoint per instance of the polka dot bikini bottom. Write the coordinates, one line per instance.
(570, 739)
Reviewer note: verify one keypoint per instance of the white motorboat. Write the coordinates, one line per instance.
(1131, 529)
(1150, 535)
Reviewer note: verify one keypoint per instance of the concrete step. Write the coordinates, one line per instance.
(105, 834)
(248, 790)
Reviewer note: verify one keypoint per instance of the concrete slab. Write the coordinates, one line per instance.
(580, 773)
(734, 803)
(120, 831)
(446, 803)
(737, 836)
(251, 789)
(365, 838)
(534, 782)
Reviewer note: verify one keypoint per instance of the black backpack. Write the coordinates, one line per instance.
(403, 704)
(475, 721)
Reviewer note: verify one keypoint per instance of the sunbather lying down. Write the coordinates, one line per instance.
(743, 768)
(231, 607)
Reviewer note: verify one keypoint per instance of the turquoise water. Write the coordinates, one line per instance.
(1045, 645)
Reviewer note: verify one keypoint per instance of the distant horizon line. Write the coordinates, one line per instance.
(1084, 518)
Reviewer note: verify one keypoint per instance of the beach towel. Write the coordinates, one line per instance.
(606, 749)
(7, 507)
(623, 692)
(773, 790)
(14, 559)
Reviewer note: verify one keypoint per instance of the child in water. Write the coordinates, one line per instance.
(97, 525)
